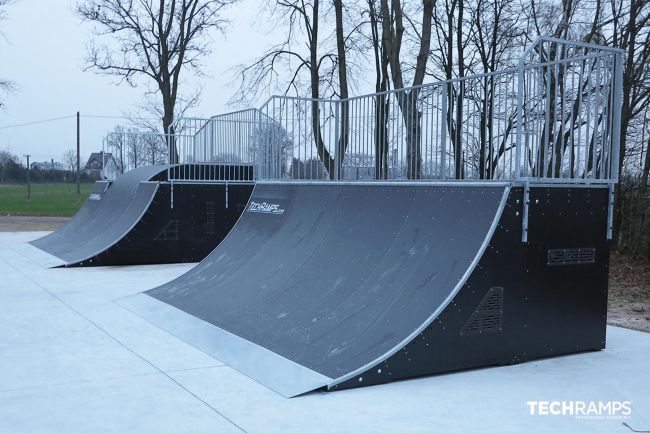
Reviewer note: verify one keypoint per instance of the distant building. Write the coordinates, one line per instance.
(101, 165)
(47, 166)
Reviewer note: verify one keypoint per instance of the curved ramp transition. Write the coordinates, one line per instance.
(142, 219)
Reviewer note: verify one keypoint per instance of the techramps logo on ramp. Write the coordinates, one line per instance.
(264, 207)
(95, 196)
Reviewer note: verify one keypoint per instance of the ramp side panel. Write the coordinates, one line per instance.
(95, 214)
(202, 216)
(545, 310)
(361, 288)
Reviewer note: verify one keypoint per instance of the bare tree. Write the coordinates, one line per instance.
(6, 158)
(343, 83)
(154, 40)
(313, 59)
(153, 149)
(146, 115)
(497, 35)
(303, 62)
(382, 84)
(135, 148)
(629, 28)
(6, 86)
(70, 160)
(117, 147)
(392, 37)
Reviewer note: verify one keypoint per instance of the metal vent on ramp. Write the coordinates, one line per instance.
(210, 216)
(488, 315)
(570, 256)
(169, 232)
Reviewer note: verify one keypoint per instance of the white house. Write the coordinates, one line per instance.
(102, 165)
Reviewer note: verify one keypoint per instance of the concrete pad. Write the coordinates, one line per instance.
(151, 403)
(46, 260)
(484, 400)
(82, 290)
(73, 360)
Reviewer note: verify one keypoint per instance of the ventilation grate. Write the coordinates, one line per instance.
(570, 256)
(210, 223)
(487, 317)
(169, 232)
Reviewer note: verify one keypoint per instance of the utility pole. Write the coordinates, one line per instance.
(78, 160)
(29, 180)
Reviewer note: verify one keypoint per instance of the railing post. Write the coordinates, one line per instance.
(524, 216)
(272, 168)
(257, 137)
(103, 172)
(520, 117)
(443, 133)
(610, 211)
(616, 118)
(337, 137)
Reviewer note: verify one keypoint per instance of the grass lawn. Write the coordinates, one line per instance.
(52, 199)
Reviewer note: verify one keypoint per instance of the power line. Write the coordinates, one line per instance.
(36, 122)
(99, 116)
(94, 116)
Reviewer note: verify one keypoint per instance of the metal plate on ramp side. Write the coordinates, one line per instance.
(277, 373)
(342, 275)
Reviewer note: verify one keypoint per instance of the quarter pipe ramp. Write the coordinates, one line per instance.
(336, 286)
(140, 218)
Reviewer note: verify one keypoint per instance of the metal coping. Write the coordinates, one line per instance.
(539, 183)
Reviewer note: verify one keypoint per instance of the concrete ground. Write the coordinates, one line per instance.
(72, 360)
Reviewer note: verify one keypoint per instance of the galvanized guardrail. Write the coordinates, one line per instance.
(556, 117)
(553, 118)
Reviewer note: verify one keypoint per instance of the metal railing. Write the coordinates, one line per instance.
(554, 118)
(124, 151)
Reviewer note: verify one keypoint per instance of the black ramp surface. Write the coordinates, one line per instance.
(82, 222)
(331, 276)
(100, 223)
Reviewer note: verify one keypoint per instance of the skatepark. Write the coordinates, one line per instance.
(419, 292)
(99, 363)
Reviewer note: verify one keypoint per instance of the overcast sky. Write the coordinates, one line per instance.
(44, 55)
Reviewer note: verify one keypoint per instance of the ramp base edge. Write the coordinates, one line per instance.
(280, 374)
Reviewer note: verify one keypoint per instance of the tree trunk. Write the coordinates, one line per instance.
(323, 154)
(381, 101)
(342, 145)
(168, 128)
(458, 153)
(646, 168)
(412, 121)
(392, 32)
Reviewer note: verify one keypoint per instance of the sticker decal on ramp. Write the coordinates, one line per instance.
(264, 207)
(95, 196)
